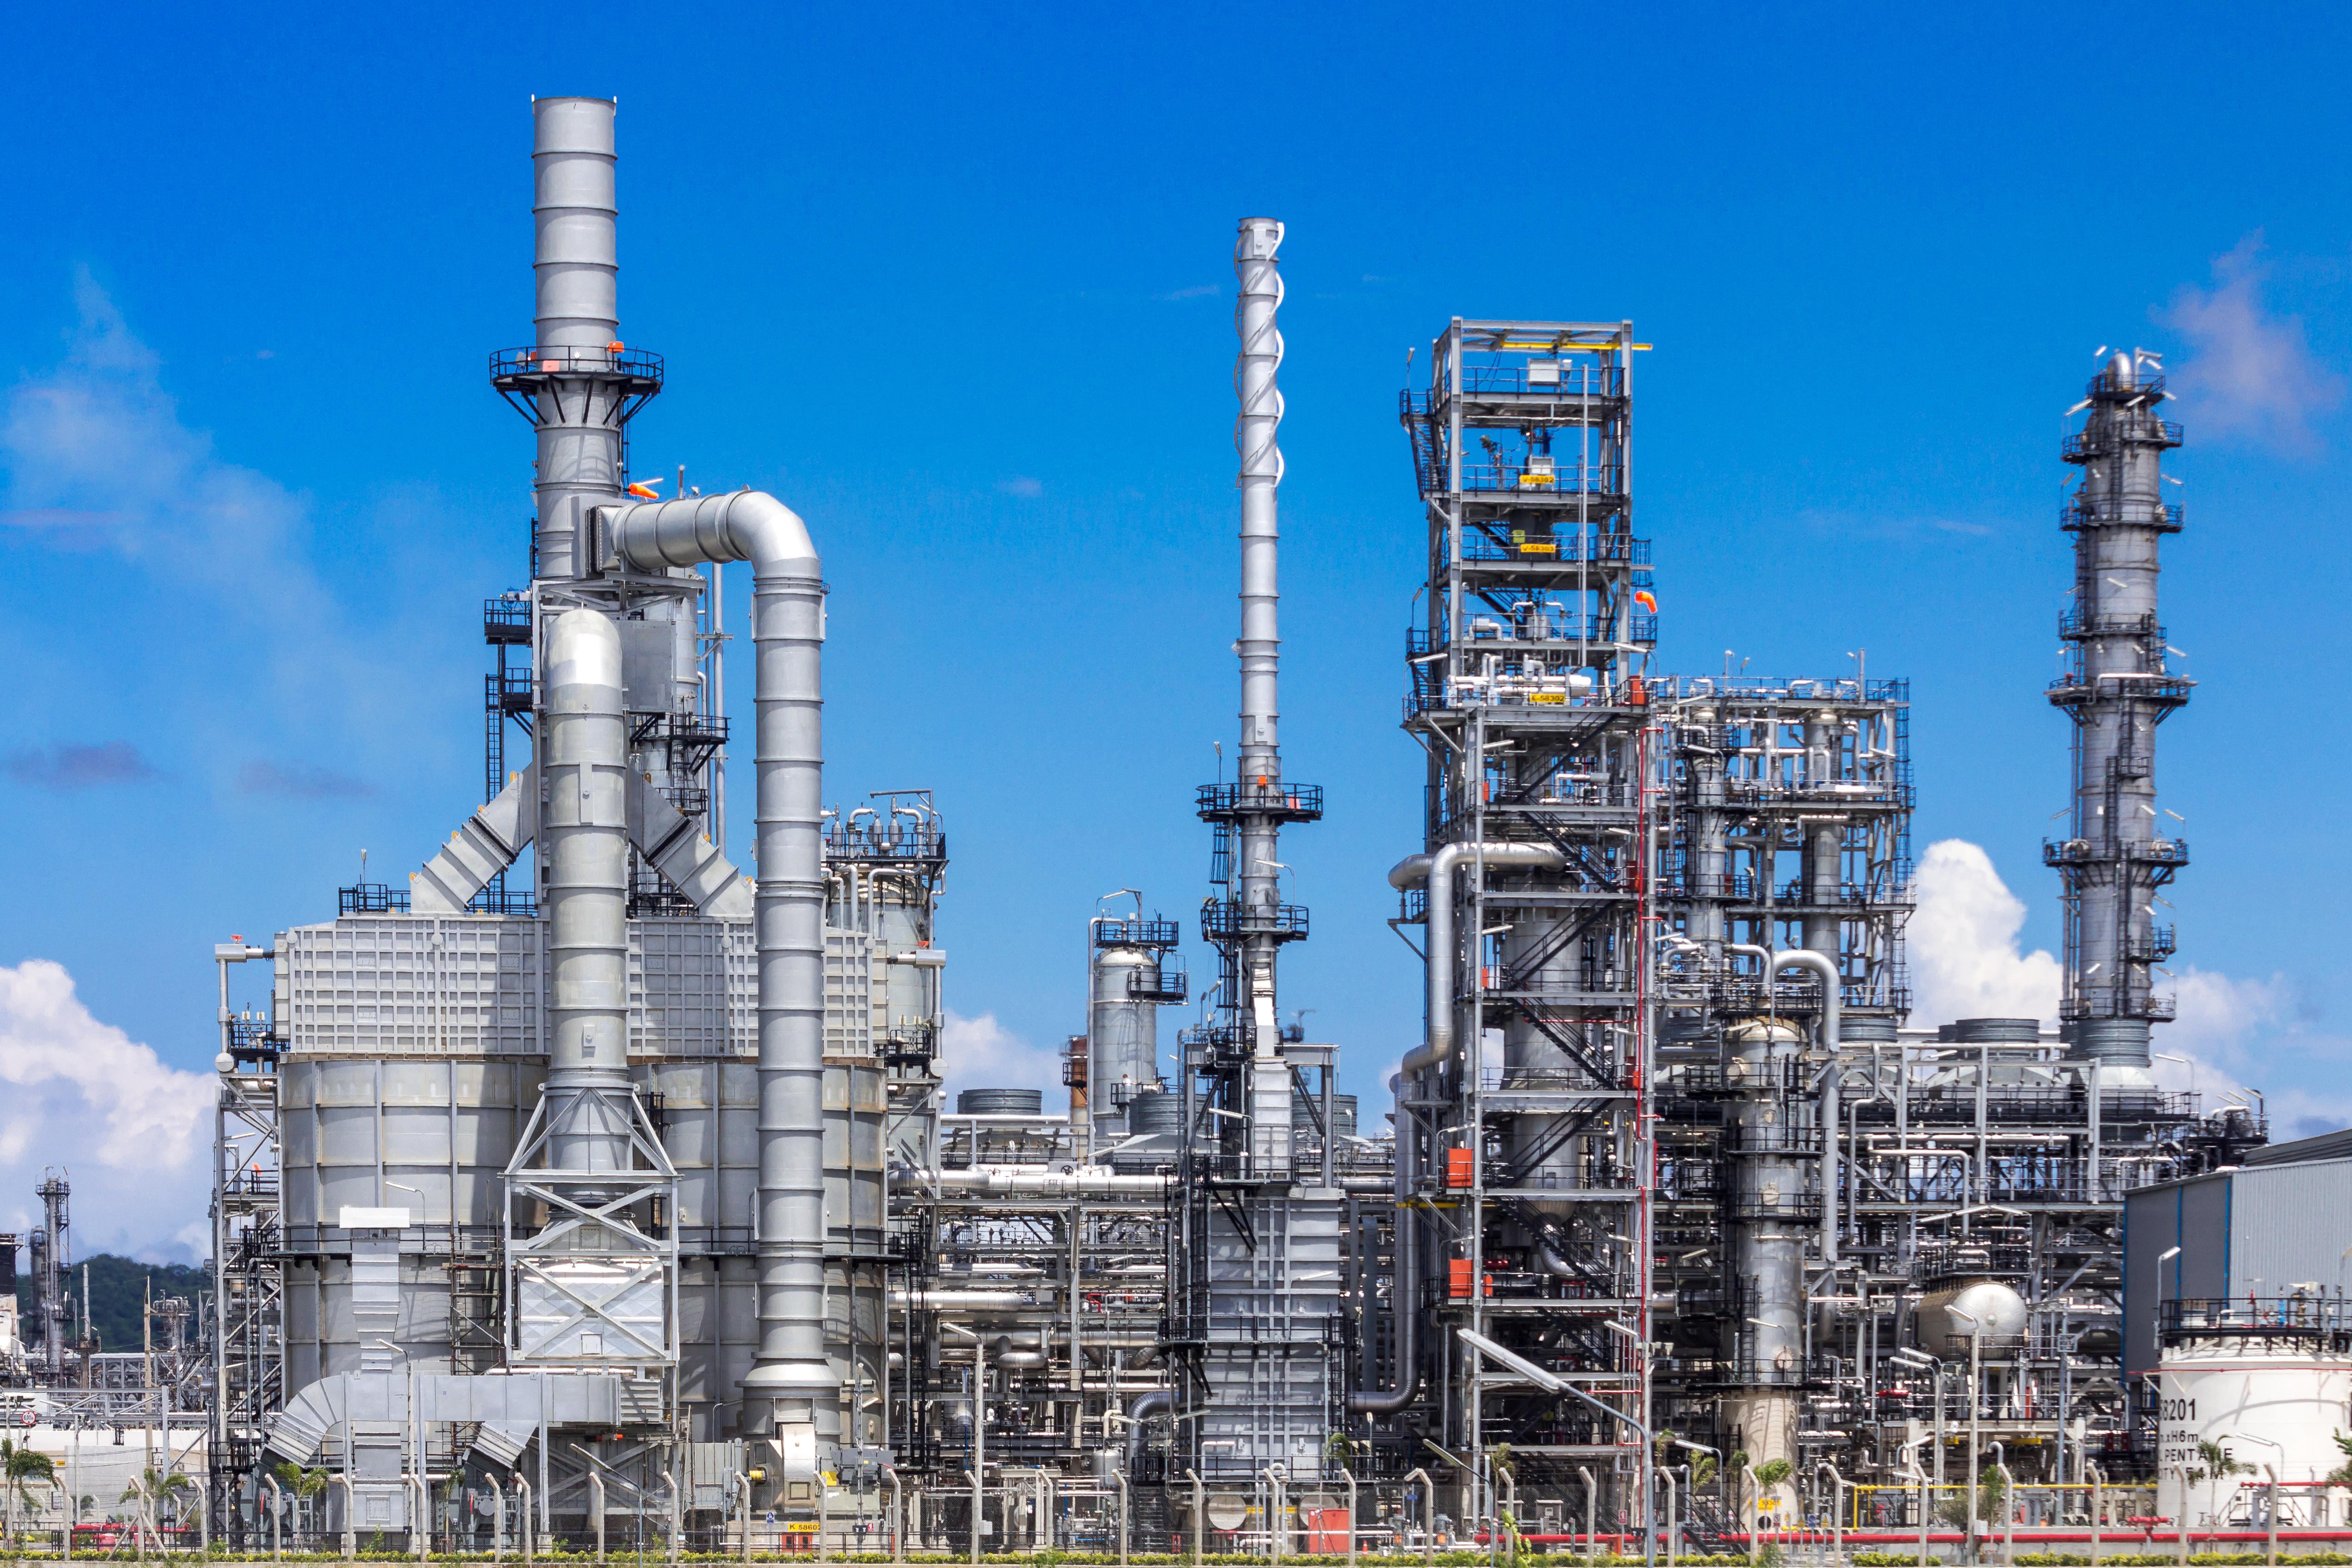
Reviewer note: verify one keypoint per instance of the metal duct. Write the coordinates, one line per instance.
(1437, 870)
(586, 837)
(791, 1370)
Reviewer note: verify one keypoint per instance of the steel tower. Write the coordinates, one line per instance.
(2116, 690)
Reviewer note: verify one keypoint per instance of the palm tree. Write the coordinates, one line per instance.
(304, 1484)
(21, 1465)
(158, 1487)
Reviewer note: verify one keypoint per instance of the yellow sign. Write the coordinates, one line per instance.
(800, 1527)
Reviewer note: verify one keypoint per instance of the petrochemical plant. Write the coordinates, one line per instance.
(613, 1186)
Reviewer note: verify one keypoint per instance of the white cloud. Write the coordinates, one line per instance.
(981, 1053)
(1022, 485)
(1964, 961)
(2236, 1035)
(2249, 371)
(130, 1134)
(97, 457)
(98, 444)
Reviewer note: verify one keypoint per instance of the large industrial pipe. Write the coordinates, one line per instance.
(1404, 1288)
(1158, 1402)
(1086, 1182)
(790, 1372)
(585, 834)
(1437, 870)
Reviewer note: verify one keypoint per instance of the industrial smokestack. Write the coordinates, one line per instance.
(572, 382)
(1254, 436)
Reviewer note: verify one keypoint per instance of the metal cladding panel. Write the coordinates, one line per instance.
(710, 1128)
(473, 986)
(1271, 1377)
(415, 985)
(2289, 1226)
(2192, 1216)
(440, 1128)
(680, 988)
(852, 998)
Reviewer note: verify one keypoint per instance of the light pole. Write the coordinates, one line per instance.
(2007, 1506)
(1921, 1477)
(1976, 1405)
(2184, 1061)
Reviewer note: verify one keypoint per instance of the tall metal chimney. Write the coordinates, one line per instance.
(2117, 690)
(1252, 922)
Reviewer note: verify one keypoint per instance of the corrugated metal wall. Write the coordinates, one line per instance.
(2258, 1231)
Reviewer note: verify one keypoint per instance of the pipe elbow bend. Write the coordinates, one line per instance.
(771, 536)
(744, 525)
(1410, 872)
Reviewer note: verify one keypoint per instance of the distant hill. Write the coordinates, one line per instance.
(118, 1289)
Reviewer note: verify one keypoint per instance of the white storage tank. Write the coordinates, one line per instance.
(2269, 1380)
(1953, 1313)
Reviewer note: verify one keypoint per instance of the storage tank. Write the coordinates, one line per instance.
(1950, 1314)
(1154, 1110)
(2245, 1369)
(1000, 1101)
(1306, 1108)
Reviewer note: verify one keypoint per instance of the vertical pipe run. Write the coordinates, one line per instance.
(791, 1381)
(585, 831)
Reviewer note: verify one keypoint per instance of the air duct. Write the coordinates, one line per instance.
(790, 1372)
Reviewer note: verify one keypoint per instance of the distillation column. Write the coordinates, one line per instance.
(2116, 690)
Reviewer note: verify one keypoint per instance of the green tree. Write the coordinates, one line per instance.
(160, 1489)
(21, 1466)
(2341, 1476)
(301, 1484)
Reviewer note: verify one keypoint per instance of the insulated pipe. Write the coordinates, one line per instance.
(983, 1301)
(1156, 1402)
(585, 829)
(789, 1373)
(1832, 996)
(1085, 1182)
(1404, 1289)
(1437, 870)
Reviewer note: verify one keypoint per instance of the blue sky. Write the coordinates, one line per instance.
(956, 282)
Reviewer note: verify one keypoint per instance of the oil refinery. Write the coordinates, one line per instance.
(586, 1186)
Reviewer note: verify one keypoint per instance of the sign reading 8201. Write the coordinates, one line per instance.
(2179, 1410)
